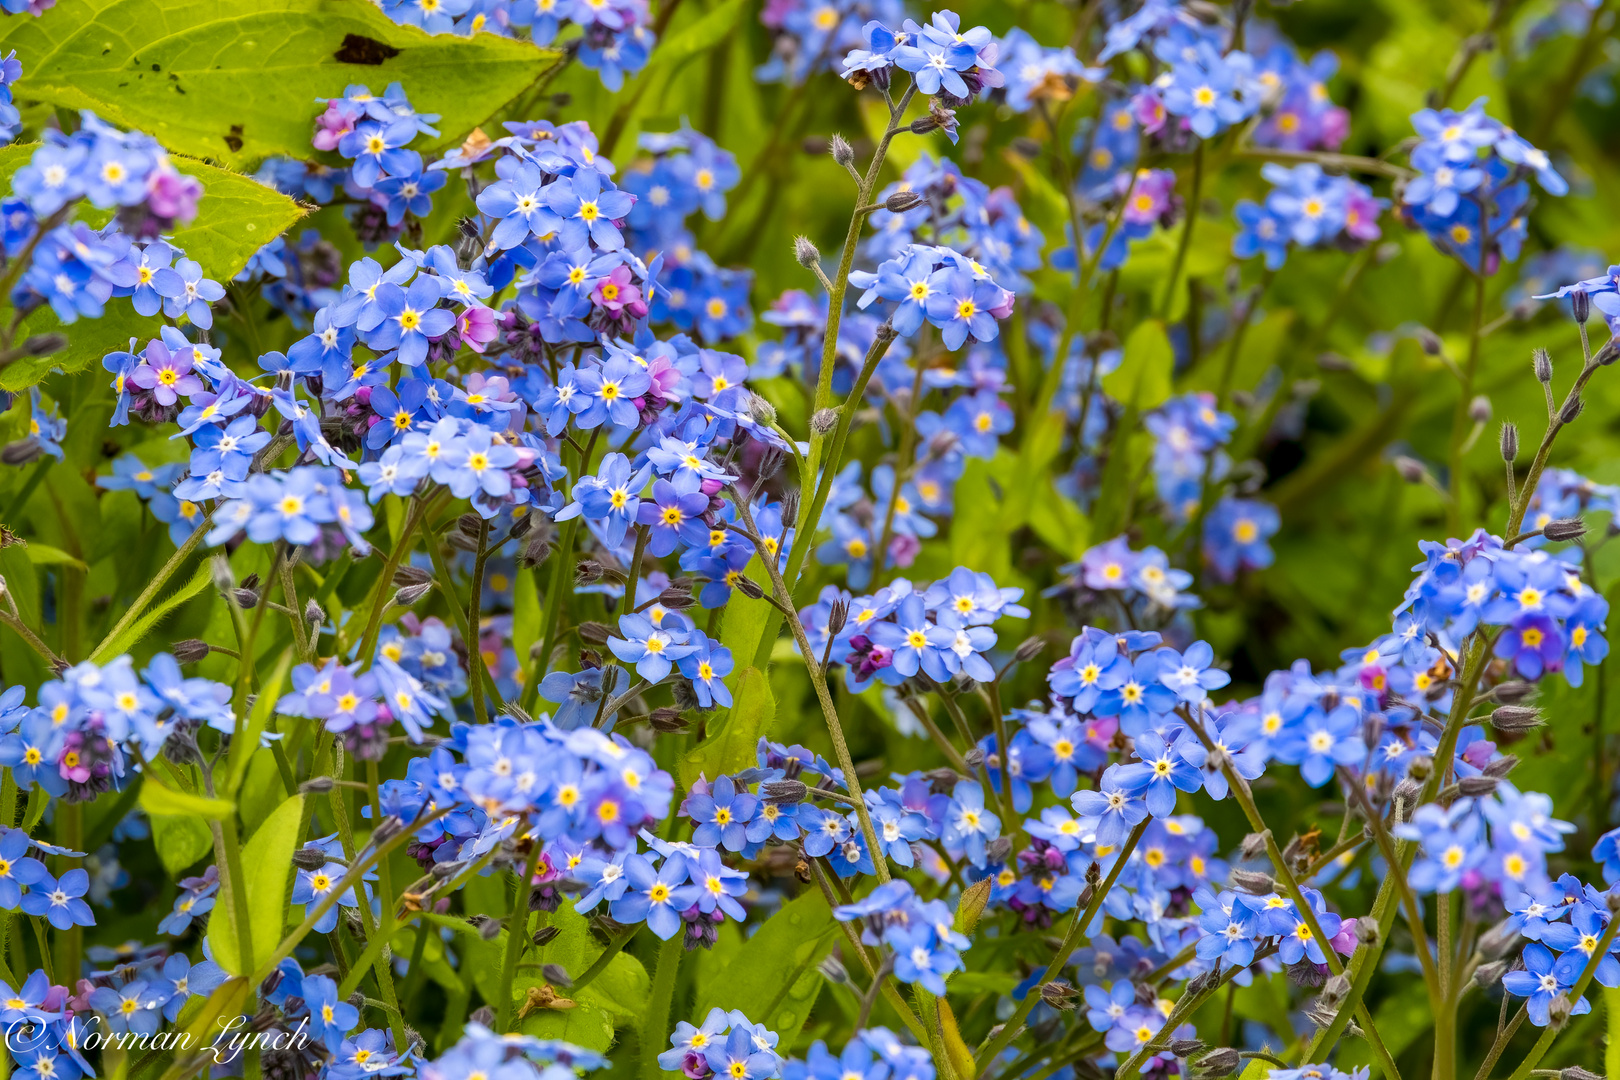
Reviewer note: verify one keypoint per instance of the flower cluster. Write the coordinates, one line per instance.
(1470, 194)
(726, 1044)
(1306, 208)
(921, 934)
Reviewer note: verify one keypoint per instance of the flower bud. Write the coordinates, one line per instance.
(1515, 719)
(1572, 409)
(521, 525)
(412, 593)
(1253, 882)
(824, 421)
(832, 969)
(837, 617)
(998, 849)
(974, 758)
(761, 410)
(1479, 410)
(1612, 900)
(587, 572)
(516, 712)
(1428, 340)
(45, 344)
(1575, 1072)
(1541, 364)
(1513, 691)
(594, 633)
(245, 598)
(190, 650)
(1508, 441)
(1335, 989)
(901, 201)
(667, 721)
(1029, 649)
(1564, 529)
(1488, 975)
(784, 792)
(923, 125)
(1059, 995)
(1582, 305)
(1609, 353)
(1367, 932)
(388, 828)
(310, 857)
(1558, 1011)
(546, 935)
(1217, 1063)
(1420, 767)
(535, 551)
(1476, 787)
(446, 870)
(842, 152)
(1411, 469)
(314, 614)
(556, 974)
(1501, 766)
(483, 1015)
(805, 252)
(749, 587)
(1184, 1048)
(1254, 846)
(407, 576)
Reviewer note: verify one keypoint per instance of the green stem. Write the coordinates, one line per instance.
(614, 948)
(1185, 242)
(661, 996)
(1459, 420)
(562, 559)
(382, 590)
(149, 593)
(517, 935)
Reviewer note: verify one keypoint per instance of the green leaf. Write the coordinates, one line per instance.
(698, 37)
(157, 799)
(620, 990)
(583, 1025)
(773, 977)
(1142, 380)
(139, 628)
(180, 841)
(732, 743)
(236, 80)
(45, 555)
(266, 870)
(746, 619)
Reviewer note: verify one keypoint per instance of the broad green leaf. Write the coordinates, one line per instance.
(236, 80)
(621, 990)
(773, 977)
(1142, 379)
(746, 619)
(583, 1025)
(266, 868)
(158, 799)
(138, 629)
(1611, 1051)
(45, 555)
(732, 743)
(180, 841)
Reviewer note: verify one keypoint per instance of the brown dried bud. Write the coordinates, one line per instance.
(546, 935)
(190, 650)
(594, 633)
(749, 587)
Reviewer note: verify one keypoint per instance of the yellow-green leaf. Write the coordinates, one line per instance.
(732, 743)
(267, 871)
(158, 799)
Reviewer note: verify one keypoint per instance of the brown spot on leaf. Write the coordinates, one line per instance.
(359, 49)
(234, 139)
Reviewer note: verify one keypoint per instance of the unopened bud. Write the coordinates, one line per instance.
(1501, 766)
(901, 201)
(1582, 305)
(556, 974)
(412, 593)
(517, 712)
(1218, 1063)
(1541, 364)
(471, 524)
(1515, 719)
(1513, 691)
(1488, 975)
(1477, 787)
(667, 721)
(1253, 882)
(1609, 353)
(1564, 529)
(807, 254)
(587, 572)
(45, 344)
(1254, 845)
(1411, 469)
(245, 598)
(388, 828)
(974, 758)
(1428, 341)
(190, 650)
(761, 410)
(546, 935)
(1508, 441)
(536, 550)
(1184, 1048)
(594, 633)
(1575, 1072)
(1367, 932)
(837, 617)
(446, 870)
(314, 614)
(832, 969)
(999, 849)
(1558, 1011)
(824, 421)
(842, 152)
(749, 587)
(1420, 767)
(784, 792)
(1029, 649)
(317, 785)
(923, 125)
(310, 857)
(1059, 995)
(1335, 989)
(1612, 900)
(483, 1015)
(1572, 409)
(406, 576)
(1479, 410)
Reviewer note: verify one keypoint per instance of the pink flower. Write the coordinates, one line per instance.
(331, 126)
(476, 327)
(617, 291)
(172, 195)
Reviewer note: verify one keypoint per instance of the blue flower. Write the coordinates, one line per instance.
(968, 823)
(652, 650)
(655, 896)
(60, 902)
(1540, 982)
(1110, 812)
(1189, 674)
